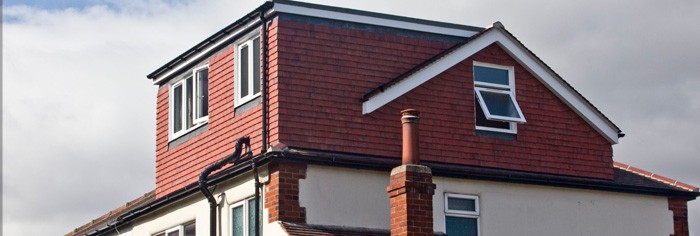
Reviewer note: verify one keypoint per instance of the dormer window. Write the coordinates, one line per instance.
(189, 102)
(247, 69)
(494, 92)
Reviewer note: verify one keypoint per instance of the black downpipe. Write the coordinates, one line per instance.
(235, 156)
(263, 46)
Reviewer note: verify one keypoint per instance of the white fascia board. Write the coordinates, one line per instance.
(518, 52)
(334, 15)
(556, 85)
(206, 50)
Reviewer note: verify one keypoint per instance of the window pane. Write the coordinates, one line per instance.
(458, 226)
(188, 102)
(491, 75)
(237, 223)
(461, 204)
(190, 229)
(202, 93)
(256, 66)
(177, 108)
(244, 71)
(174, 233)
(500, 104)
(483, 122)
(251, 217)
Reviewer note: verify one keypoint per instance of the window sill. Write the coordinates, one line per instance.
(193, 132)
(496, 134)
(247, 105)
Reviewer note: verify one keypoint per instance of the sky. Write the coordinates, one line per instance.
(79, 114)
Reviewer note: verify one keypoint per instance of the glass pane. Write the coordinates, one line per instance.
(461, 204)
(190, 229)
(244, 71)
(251, 217)
(483, 122)
(237, 222)
(457, 226)
(491, 75)
(188, 102)
(174, 233)
(500, 104)
(177, 108)
(256, 66)
(202, 93)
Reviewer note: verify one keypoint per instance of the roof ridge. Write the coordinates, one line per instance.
(656, 177)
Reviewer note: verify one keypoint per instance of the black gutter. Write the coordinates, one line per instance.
(212, 39)
(235, 156)
(182, 193)
(359, 161)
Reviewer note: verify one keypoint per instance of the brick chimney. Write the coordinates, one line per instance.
(411, 186)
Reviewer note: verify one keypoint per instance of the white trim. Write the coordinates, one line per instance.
(195, 84)
(519, 53)
(476, 214)
(246, 41)
(343, 16)
(178, 228)
(511, 76)
(196, 122)
(487, 111)
(245, 204)
(462, 196)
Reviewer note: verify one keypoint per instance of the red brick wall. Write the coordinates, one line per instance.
(282, 193)
(325, 70)
(181, 165)
(679, 207)
(411, 191)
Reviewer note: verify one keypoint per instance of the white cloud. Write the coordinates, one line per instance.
(79, 114)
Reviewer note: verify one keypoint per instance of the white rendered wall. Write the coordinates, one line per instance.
(358, 198)
(196, 208)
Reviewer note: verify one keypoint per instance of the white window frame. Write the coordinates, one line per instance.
(197, 97)
(464, 214)
(243, 203)
(246, 41)
(490, 87)
(196, 121)
(487, 112)
(180, 229)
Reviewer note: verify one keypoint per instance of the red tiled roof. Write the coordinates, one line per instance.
(112, 215)
(654, 176)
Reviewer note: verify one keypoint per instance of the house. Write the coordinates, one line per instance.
(318, 120)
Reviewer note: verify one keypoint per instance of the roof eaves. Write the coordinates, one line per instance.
(561, 78)
(208, 42)
(656, 177)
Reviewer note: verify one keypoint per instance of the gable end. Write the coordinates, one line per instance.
(515, 49)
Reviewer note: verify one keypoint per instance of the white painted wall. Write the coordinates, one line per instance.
(358, 198)
(196, 208)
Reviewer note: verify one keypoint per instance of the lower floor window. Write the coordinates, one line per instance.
(243, 218)
(180, 230)
(461, 215)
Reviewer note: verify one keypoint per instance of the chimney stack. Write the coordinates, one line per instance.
(411, 186)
